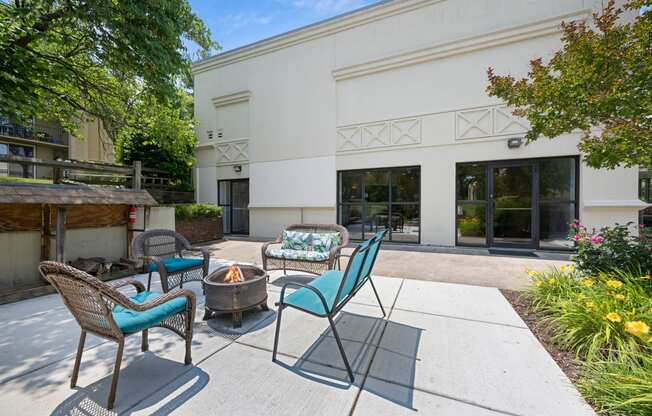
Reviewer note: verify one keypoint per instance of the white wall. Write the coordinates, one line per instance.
(400, 84)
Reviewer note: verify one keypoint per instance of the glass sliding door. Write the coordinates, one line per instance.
(523, 203)
(376, 199)
(233, 197)
(511, 207)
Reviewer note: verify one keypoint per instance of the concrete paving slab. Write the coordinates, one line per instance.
(414, 403)
(244, 381)
(47, 390)
(477, 303)
(497, 367)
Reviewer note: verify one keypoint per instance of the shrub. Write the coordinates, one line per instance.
(191, 211)
(620, 386)
(595, 315)
(612, 248)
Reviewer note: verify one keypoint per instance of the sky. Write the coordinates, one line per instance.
(235, 23)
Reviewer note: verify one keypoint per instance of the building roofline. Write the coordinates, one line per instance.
(357, 17)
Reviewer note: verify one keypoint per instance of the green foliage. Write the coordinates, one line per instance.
(160, 135)
(602, 77)
(60, 59)
(612, 248)
(620, 386)
(591, 314)
(191, 211)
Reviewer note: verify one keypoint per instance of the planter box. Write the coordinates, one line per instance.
(201, 229)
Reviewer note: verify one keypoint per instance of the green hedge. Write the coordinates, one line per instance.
(192, 211)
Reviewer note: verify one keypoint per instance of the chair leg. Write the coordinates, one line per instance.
(116, 374)
(278, 329)
(144, 345)
(80, 350)
(149, 281)
(377, 297)
(339, 345)
(190, 321)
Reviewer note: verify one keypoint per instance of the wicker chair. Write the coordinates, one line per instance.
(162, 251)
(101, 309)
(304, 265)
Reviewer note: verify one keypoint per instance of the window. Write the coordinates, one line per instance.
(376, 199)
(471, 215)
(14, 169)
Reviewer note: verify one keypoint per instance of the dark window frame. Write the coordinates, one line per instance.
(364, 204)
(230, 204)
(536, 200)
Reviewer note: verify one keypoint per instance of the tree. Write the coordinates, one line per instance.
(600, 82)
(63, 58)
(161, 135)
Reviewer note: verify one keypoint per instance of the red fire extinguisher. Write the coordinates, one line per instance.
(132, 215)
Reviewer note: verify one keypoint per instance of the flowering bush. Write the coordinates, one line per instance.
(612, 248)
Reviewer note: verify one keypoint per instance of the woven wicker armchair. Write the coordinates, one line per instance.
(162, 251)
(305, 265)
(101, 309)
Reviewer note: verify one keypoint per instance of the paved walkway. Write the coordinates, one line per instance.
(445, 349)
(481, 270)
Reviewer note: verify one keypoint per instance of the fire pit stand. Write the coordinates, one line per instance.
(235, 297)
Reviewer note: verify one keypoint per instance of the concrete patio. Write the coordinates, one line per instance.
(445, 349)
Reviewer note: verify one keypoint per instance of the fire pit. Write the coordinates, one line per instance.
(235, 289)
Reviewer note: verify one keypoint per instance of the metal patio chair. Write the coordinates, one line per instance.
(328, 294)
(162, 251)
(99, 308)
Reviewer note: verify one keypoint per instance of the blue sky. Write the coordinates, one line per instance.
(236, 23)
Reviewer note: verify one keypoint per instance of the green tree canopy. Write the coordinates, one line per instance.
(161, 135)
(63, 58)
(600, 82)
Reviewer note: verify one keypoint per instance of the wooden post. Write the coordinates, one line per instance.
(45, 232)
(57, 175)
(61, 234)
(138, 175)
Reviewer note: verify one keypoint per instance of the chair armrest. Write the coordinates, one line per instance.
(301, 285)
(269, 243)
(116, 284)
(203, 250)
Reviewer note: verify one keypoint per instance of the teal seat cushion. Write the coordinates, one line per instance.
(133, 321)
(175, 264)
(297, 254)
(327, 284)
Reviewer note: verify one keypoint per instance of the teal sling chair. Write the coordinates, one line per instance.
(328, 294)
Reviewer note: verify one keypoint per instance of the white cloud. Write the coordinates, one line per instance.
(232, 22)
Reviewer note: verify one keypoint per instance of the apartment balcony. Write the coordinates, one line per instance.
(35, 132)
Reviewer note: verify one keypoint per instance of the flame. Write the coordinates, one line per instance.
(234, 275)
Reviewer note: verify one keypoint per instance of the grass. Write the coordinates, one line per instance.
(11, 180)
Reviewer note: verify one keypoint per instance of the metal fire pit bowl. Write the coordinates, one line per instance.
(235, 298)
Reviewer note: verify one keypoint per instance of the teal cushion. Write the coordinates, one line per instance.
(297, 254)
(327, 284)
(324, 242)
(174, 264)
(130, 321)
(296, 240)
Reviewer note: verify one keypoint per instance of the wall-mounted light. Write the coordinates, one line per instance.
(514, 142)
(237, 168)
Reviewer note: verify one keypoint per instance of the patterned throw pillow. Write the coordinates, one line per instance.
(323, 242)
(296, 240)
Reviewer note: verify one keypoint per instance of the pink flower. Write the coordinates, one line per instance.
(597, 239)
(576, 237)
(574, 226)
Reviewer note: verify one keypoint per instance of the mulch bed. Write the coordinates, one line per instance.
(564, 359)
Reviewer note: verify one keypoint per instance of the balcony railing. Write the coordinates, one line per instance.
(36, 130)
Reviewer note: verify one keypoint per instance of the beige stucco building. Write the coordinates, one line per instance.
(379, 118)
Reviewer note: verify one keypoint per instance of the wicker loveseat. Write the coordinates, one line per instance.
(310, 248)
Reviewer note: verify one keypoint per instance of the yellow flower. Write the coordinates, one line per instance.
(590, 305)
(581, 296)
(587, 282)
(613, 317)
(538, 283)
(650, 340)
(532, 273)
(618, 296)
(552, 281)
(614, 283)
(637, 328)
